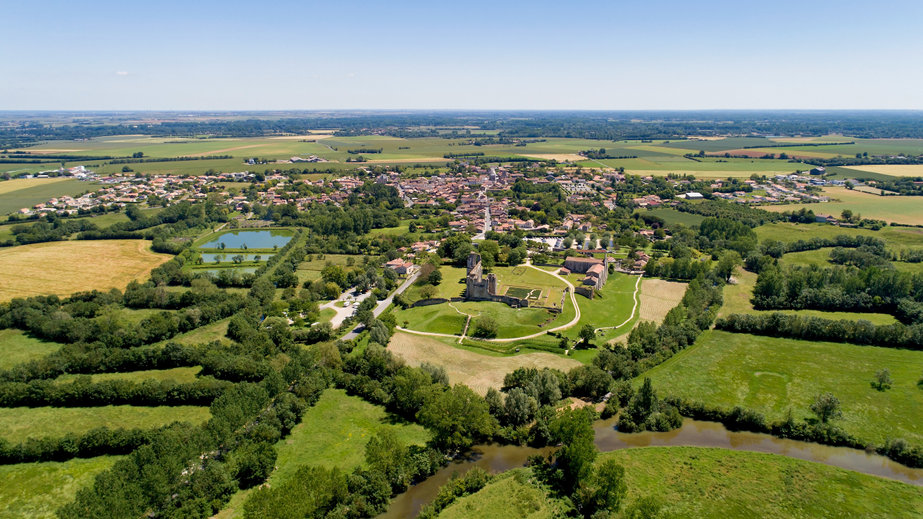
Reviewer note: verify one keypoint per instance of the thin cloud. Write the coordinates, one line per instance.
(121, 73)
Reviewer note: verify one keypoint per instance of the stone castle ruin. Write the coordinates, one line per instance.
(479, 288)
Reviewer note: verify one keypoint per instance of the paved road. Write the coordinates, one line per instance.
(483, 235)
(384, 304)
(343, 312)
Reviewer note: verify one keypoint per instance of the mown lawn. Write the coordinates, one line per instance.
(20, 423)
(16, 347)
(37, 490)
(611, 307)
(773, 375)
(695, 482)
(452, 285)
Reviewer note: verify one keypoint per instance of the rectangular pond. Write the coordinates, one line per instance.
(265, 239)
(228, 257)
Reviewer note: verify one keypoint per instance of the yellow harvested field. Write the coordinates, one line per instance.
(895, 170)
(659, 297)
(479, 372)
(560, 157)
(9, 186)
(65, 267)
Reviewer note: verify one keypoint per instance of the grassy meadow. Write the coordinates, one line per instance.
(16, 347)
(332, 433)
(18, 424)
(513, 494)
(718, 483)
(772, 375)
(894, 237)
(477, 368)
(66, 267)
(737, 301)
(37, 490)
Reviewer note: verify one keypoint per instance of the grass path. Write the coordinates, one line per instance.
(634, 309)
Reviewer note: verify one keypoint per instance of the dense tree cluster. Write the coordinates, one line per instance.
(820, 329)
(869, 289)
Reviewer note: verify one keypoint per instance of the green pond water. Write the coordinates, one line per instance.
(265, 239)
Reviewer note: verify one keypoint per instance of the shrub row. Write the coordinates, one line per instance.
(84, 393)
(819, 329)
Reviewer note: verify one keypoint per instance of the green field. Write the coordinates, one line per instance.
(311, 270)
(655, 158)
(899, 209)
(611, 306)
(18, 424)
(333, 433)
(773, 375)
(737, 301)
(697, 482)
(16, 347)
(27, 197)
(37, 490)
(703, 483)
(452, 285)
(673, 217)
(550, 290)
(449, 318)
(513, 494)
(895, 237)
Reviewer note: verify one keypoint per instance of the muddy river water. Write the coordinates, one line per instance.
(497, 458)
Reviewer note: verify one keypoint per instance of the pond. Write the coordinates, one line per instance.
(693, 433)
(228, 257)
(265, 239)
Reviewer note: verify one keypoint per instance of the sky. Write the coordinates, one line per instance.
(562, 55)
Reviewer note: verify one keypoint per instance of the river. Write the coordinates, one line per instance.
(693, 433)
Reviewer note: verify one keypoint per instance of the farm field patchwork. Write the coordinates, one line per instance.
(899, 209)
(66, 267)
(15, 195)
(21, 423)
(37, 490)
(772, 375)
(476, 370)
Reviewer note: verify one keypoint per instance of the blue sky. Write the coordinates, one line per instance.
(235, 55)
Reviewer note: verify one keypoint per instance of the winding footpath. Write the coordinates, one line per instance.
(574, 321)
(634, 309)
